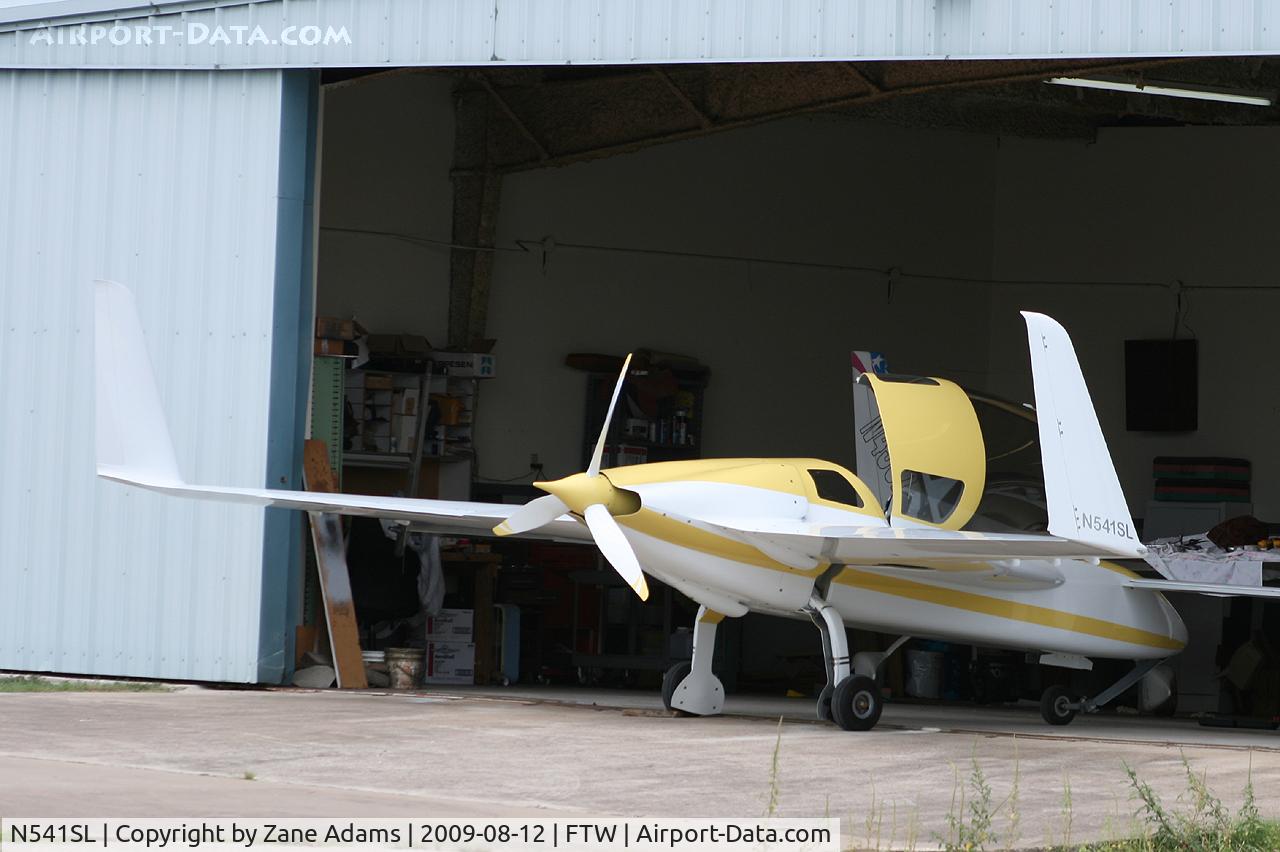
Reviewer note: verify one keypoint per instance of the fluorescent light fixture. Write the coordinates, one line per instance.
(1172, 90)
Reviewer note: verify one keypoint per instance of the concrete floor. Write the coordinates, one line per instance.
(530, 752)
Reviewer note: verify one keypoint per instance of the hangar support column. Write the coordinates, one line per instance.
(476, 189)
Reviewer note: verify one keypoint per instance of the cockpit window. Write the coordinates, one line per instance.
(831, 485)
(928, 497)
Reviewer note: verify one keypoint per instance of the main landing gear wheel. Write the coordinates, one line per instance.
(1055, 706)
(856, 704)
(824, 703)
(672, 679)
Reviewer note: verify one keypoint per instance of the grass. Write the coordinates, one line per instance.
(971, 819)
(771, 809)
(41, 684)
(1205, 826)
(1199, 823)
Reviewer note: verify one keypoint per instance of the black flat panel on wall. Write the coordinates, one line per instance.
(1161, 385)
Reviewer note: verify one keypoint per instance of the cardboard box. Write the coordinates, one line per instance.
(336, 328)
(450, 662)
(404, 401)
(405, 433)
(399, 345)
(378, 381)
(336, 348)
(626, 454)
(475, 365)
(454, 625)
(414, 345)
(383, 344)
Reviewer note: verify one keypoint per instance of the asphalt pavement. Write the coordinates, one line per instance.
(465, 752)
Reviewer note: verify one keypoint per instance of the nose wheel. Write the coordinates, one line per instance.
(672, 679)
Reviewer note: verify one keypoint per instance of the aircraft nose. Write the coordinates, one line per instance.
(580, 491)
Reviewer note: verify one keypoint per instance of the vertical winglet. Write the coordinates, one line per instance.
(1085, 501)
(132, 438)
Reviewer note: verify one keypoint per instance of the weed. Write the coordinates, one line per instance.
(1207, 826)
(1010, 804)
(913, 828)
(970, 826)
(772, 808)
(875, 820)
(870, 820)
(1068, 810)
(41, 684)
(250, 776)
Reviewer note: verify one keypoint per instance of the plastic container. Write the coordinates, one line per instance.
(405, 666)
(924, 674)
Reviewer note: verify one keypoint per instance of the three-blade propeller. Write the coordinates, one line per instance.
(593, 497)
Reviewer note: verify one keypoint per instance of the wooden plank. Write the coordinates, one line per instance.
(335, 580)
(307, 640)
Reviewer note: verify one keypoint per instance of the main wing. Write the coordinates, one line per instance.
(1222, 590)
(805, 545)
(448, 517)
(134, 446)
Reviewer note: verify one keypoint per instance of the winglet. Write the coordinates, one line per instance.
(133, 441)
(1085, 501)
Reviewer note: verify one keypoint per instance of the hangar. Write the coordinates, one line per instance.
(748, 190)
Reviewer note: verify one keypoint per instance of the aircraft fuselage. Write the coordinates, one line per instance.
(1079, 607)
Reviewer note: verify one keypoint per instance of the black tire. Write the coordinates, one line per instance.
(824, 703)
(672, 679)
(856, 704)
(1053, 706)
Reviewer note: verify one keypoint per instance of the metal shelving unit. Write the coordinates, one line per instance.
(674, 430)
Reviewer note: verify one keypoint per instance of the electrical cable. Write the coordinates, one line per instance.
(512, 479)
(425, 241)
(545, 246)
(477, 477)
(894, 273)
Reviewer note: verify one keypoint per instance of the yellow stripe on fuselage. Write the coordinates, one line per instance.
(1117, 569)
(1003, 608)
(684, 534)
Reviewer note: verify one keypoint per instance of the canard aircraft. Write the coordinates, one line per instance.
(794, 537)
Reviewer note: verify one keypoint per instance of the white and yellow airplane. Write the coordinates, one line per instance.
(795, 537)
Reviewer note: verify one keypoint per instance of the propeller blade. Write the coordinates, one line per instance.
(531, 515)
(593, 469)
(615, 547)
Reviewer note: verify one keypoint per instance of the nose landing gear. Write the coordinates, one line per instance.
(693, 687)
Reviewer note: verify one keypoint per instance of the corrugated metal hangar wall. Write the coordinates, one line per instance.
(188, 187)
(554, 32)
